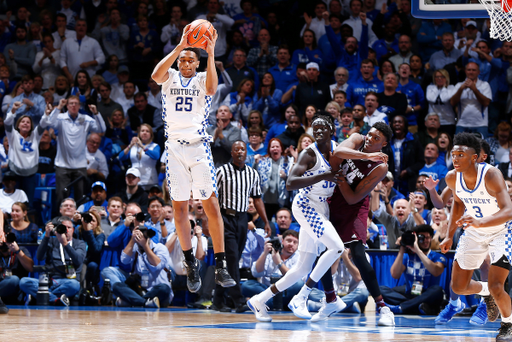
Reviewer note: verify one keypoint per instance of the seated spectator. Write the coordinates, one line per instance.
(387, 46)
(155, 190)
(501, 142)
(273, 179)
(224, 135)
(133, 192)
(267, 100)
(83, 88)
(373, 115)
(445, 144)
(67, 255)
(431, 134)
(32, 105)
(255, 242)
(97, 167)
(433, 169)
(289, 93)
(157, 221)
(143, 154)
(313, 91)
(199, 249)
(256, 121)
(154, 95)
(117, 130)
(395, 224)
(47, 62)
(98, 202)
(142, 112)
(359, 125)
(341, 75)
(114, 219)
(292, 133)
(19, 265)
(240, 102)
(123, 75)
(422, 268)
(20, 225)
(264, 56)
(239, 71)
(92, 234)
(9, 194)
(47, 154)
(279, 128)
(148, 260)
(107, 106)
(346, 124)
(307, 119)
(114, 36)
(439, 225)
(388, 194)
(255, 146)
(393, 103)
(449, 54)
(284, 222)
(418, 201)
(304, 141)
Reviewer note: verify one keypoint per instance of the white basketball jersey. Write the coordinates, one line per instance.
(321, 191)
(478, 202)
(185, 107)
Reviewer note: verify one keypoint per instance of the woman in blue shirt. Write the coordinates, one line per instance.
(268, 100)
(309, 51)
(25, 231)
(280, 127)
(85, 91)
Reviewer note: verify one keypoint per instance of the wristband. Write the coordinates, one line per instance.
(18, 251)
(162, 223)
(386, 203)
(281, 264)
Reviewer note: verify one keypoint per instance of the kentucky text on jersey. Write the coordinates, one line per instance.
(186, 92)
(469, 200)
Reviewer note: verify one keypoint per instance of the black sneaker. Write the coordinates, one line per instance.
(492, 308)
(505, 332)
(62, 301)
(3, 308)
(223, 278)
(221, 308)
(193, 278)
(242, 308)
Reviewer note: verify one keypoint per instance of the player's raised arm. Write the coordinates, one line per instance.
(160, 73)
(212, 80)
(348, 149)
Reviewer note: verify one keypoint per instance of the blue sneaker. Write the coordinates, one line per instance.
(448, 312)
(480, 315)
(396, 309)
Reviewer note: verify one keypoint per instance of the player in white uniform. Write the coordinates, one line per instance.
(313, 177)
(483, 208)
(186, 98)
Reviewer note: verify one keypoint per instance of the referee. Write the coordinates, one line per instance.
(236, 182)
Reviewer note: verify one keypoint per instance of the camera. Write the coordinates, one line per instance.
(276, 244)
(408, 239)
(421, 238)
(10, 237)
(148, 233)
(87, 217)
(140, 217)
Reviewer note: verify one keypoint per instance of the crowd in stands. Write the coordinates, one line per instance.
(81, 112)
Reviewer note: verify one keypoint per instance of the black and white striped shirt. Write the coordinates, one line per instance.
(235, 186)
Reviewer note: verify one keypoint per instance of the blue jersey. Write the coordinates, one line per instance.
(361, 87)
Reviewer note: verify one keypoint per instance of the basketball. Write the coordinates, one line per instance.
(199, 28)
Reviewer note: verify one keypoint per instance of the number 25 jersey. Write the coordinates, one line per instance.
(185, 107)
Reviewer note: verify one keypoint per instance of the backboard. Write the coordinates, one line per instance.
(445, 9)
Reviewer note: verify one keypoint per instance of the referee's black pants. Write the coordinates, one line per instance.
(235, 235)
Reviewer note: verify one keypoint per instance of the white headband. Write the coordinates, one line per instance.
(322, 120)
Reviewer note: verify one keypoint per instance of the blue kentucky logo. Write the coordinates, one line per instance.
(203, 193)
(26, 146)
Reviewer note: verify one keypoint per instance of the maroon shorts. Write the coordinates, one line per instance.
(350, 221)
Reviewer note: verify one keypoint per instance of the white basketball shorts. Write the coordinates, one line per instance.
(190, 168)
(474, 245)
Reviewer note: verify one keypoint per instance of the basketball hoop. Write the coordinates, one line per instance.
(501, 18)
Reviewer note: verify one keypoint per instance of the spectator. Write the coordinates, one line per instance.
(359, 125)
(239, 71)
(341, 75)
(224, 135)
(5, 74)
(142, 112)
(340, 97)
(404, 160)
(365, 83)
(279, 128)
(301, 76)
(284, 72)
(92, 234)
(385, 68)
(117, 131)
(473, 97)
(449, 54)
(294, 130)
(143, 154)
(417, 71)
(438, 97)
(171, 33)
(109, 73)
(123, 76)
(80, 53)
(71, 15)
(20, 225)
(107, 106)
(263, 56)
(357, 20)
(240, 102)
(445, 145)
(388, 194)
(393, 103)
(71, 162)
(316, 24)
(47, 62)
(387, 46)
(309, 52)
(422, 265)
(255, 146)
(61, 89)
(313, 91)
(404, 54)
(418, 202)
(236, 182)
(157, 221)
(23, 142)
(154, 95)
(471, 35)
(143, 48)
(430, 37)
(160, 15)
(255, 241)
(47, 154)
(501, 142)
(32, 105)
(5, 35)
(268, 99)
(21, 52)
(373, 115)
(62, 32)
(273, 179)
(304, 141)
(9, 194)
(255, 120)
(67, 255)
(325, 45)
(98, 202)
(284, 222)
(114, 219)
(133, 192)
(222, 23)
(97, 168)
(21, 264)
(150, 261)
(248, 22)
(413, 92)
(127, 98)
(272, 263)
(431, 134)
(114, 37)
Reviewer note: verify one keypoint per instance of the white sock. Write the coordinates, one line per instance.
(304, 291)
(507, 319)
(265, 295)
(485, 289)
(457, 303)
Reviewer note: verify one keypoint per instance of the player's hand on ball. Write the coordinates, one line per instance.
(211, 41)
(184, 41)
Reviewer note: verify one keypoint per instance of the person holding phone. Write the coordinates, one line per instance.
(99, 200)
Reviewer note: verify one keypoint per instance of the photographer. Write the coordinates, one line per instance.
(148, 261)
(117, 241)
(90, 231)
(66, 255)
(16, 263)
(422, 267)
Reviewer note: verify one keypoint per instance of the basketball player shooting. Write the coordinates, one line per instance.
(482, 207)
(186, 99)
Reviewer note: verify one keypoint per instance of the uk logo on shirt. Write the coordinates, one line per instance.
(26, 146)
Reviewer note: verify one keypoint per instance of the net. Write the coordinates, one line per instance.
(501, 19)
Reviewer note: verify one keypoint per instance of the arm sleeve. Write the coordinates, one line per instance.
(99, 56)
(98, 125)
(94, 243)
(153, 152)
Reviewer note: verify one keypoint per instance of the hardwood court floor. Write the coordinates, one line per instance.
(43, 324)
